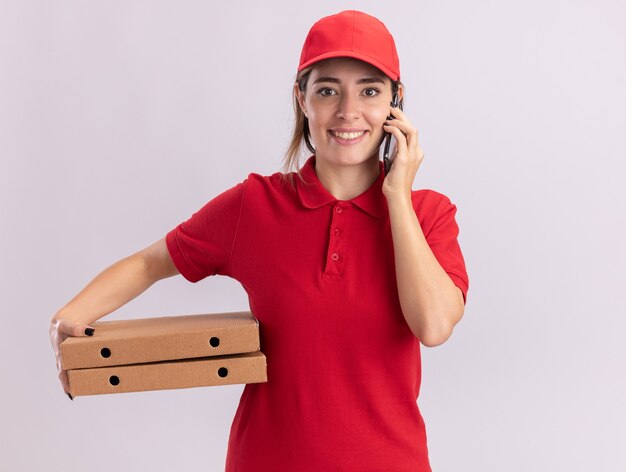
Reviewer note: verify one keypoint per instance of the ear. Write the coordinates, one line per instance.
(400, 91)
(300, 97)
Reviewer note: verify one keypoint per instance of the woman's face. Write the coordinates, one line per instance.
(346, 102)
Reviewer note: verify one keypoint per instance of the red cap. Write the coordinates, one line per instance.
(355, 34)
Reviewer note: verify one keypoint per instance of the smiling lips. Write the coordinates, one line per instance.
(347, 137)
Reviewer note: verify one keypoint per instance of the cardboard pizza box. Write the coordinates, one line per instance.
(210, 371)
(122, 342)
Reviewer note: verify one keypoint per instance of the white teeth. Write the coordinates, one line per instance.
(348, 135)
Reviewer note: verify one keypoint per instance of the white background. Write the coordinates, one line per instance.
(119, 119)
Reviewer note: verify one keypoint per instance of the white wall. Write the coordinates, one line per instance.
(119, 119)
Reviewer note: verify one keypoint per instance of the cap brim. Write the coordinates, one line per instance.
(353, 54)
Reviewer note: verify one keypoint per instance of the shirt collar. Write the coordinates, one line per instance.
(313, 194)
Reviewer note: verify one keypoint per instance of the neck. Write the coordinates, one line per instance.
(347, 182)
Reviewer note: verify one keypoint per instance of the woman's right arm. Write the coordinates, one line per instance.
(109, 290)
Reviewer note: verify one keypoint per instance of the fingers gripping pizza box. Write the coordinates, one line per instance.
(165, 353)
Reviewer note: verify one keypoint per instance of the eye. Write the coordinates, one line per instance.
(325, 92)
(371, 91)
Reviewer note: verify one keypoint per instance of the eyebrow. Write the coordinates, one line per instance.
(364, 80)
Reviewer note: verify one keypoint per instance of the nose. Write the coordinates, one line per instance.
(349, 107)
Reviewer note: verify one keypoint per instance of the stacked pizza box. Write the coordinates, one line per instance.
(165, 353)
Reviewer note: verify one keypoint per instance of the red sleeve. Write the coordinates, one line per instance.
(202, 245)
(441, 236)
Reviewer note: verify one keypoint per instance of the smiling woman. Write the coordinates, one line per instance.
(347, 269)
(346, 111)
(302, 134)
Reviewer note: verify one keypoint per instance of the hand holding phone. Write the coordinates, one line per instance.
(386, 160)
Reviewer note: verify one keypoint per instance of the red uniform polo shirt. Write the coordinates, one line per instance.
(343, 366)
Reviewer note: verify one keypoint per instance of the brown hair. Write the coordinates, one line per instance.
(301, 136)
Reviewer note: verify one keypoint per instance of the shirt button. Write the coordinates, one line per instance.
(335, 256)
(338, 209)
(337, 231)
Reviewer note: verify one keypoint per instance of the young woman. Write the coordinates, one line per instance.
(346, 268)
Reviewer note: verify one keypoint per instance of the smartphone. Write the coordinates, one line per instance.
(386, 160)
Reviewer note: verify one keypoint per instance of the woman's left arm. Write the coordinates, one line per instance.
(431, 303)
